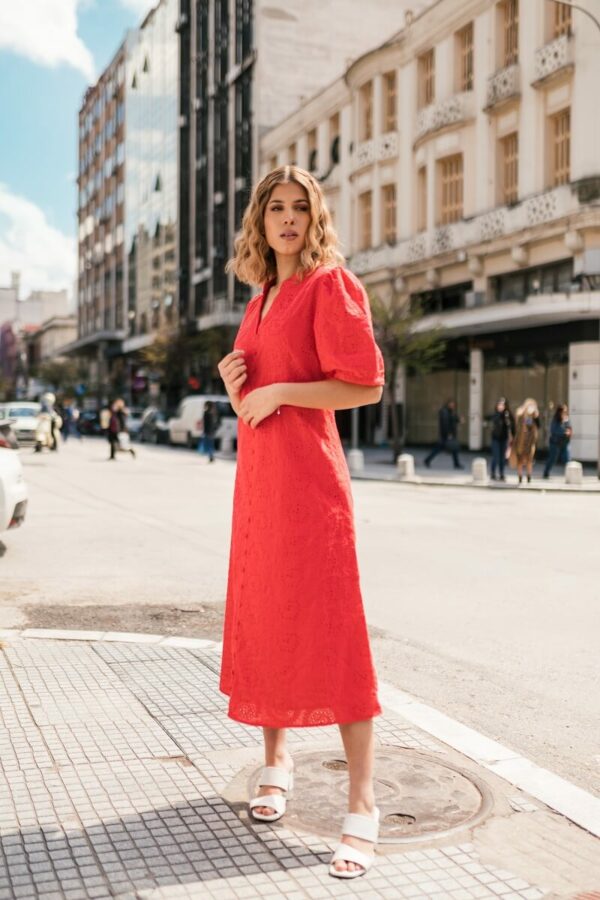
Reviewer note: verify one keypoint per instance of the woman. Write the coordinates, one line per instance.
(526, 435)
(295, 643)
(210, 425)
(503, 427)
(118, 436)
(560, 437)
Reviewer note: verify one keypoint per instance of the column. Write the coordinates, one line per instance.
(476, 400)
(584, 399)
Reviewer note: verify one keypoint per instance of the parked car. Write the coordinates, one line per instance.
(89, 422)
(185, 427)
(134, 421)
(154, 427)
(25, 415)
(8, 438)
(13, 490)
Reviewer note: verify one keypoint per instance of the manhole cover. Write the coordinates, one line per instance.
(418, 795)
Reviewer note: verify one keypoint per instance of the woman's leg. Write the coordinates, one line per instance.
(276, 754)
(360, 753)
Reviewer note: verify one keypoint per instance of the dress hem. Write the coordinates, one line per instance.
(340, 719)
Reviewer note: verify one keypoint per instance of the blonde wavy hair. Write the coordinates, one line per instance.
(254, 260)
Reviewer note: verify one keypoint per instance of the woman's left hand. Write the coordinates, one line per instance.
(259, 404)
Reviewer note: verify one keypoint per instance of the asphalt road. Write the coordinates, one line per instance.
(484, 604)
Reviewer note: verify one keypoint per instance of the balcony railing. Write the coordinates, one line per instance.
(553, 57)
(503, 85)
(451, 111)
(383, 147)
(545, 207)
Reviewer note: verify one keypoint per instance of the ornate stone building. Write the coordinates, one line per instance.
(461, 160)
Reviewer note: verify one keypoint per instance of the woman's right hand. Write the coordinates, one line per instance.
(232, 370)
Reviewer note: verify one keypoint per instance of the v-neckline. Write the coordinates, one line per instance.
(265, 294)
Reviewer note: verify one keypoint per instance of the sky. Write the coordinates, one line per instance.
(50, 51)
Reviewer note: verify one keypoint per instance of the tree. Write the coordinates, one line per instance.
(62, 375)
(403, 344)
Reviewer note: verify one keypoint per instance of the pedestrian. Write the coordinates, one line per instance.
(210, 424)
(560, 438)
(118, 435)
(503, 429)
(526, 434)
(448, 422)
(296, 650)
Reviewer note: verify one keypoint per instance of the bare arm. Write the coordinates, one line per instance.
(262, 402)
(328, 394)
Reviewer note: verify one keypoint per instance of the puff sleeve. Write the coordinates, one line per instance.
(343, 330)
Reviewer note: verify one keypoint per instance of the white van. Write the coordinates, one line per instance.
(185, 427)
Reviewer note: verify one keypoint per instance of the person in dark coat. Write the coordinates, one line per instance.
(448, 422)
(210, 424)
(503, 429)
(560, 437)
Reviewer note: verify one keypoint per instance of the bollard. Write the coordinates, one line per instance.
(356, 460)
(574, 473)
(406, 465)
(479, 470)
(226, 444)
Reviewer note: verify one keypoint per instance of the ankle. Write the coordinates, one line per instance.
(281, 760)
(363, 803)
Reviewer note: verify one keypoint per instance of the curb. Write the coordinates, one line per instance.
(570, 801)
(592, 488)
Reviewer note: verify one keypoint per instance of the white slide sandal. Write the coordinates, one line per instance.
(358, 826)
(274, 777)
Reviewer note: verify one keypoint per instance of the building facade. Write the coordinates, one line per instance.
(468, 183)
(128, 200)
(245, 65)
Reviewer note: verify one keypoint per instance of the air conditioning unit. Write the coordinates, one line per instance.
(474, 298)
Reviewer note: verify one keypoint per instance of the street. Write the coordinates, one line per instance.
(484, 604)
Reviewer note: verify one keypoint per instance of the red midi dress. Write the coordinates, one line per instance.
(295, 643)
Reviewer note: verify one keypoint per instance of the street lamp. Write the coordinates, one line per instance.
(586, 12)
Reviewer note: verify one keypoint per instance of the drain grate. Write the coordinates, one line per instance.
(419, 796)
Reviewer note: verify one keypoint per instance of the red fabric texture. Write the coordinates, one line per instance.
(295, 643)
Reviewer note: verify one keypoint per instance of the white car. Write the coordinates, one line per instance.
(185, 427)
(13, 490)
(25, 415)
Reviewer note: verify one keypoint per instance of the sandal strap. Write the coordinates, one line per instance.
(351, 854)
(360, 826)
(273, 801)
(275, 777)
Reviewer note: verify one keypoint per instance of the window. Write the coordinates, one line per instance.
(292, 154)
(389, 102)
(312, 150)
(509, 168)
(451, 194)
(561, 147)
(272, 163)
(426, 65)
(388, 208)
(422, 199)
(366, 111)
(365, 221)
(563, 19)
(465, 58)
(510, 13)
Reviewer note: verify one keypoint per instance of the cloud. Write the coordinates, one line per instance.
(45, 31)
(141, 7)
(45, 257)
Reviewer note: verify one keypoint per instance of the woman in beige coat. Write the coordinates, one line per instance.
(527, 429)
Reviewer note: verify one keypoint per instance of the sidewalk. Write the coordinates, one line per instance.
(121, 775)
(379, 467)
